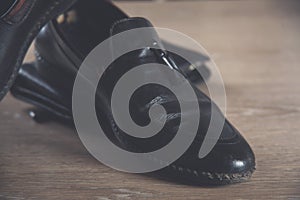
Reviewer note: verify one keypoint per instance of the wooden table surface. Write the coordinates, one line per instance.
(256, 45)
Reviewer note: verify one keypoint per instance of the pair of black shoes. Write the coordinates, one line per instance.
(62, 45)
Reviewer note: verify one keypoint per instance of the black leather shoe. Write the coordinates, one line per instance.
(20, 22)
(48, 84)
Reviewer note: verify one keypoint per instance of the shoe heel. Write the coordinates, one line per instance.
(35, 86)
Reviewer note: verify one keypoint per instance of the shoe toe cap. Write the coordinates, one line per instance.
(230, 161)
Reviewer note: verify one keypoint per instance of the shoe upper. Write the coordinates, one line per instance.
(20, 22)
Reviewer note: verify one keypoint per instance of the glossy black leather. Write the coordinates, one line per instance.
(6, 6)
(48, 84)
(20, 22)
(80, 31)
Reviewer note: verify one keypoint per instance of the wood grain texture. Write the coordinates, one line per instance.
(256, 45)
